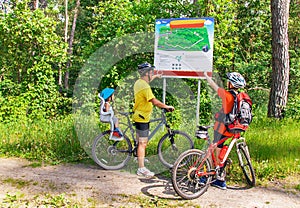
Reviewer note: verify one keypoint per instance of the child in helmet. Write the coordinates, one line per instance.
(108, 95)
(235, 82)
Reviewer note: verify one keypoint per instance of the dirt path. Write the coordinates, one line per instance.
(87, 182)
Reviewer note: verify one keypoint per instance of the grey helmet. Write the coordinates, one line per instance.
(236, 79)
(144, 68)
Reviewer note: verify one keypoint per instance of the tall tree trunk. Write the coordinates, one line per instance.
(71, 40)
(280, 58)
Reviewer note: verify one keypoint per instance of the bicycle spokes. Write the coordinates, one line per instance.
(171, 146)
(111, 154)
(191, 174)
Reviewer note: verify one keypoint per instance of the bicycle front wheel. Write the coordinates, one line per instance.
(109, 154)
(245, 164)
(171, 146)
(188, 174)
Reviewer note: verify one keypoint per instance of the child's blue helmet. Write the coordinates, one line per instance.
(106, 93)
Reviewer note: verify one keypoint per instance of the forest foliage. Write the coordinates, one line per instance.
(33, 49)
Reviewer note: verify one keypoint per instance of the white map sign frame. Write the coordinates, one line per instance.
(184, 47)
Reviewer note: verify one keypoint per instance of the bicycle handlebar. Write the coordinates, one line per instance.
(165, 110)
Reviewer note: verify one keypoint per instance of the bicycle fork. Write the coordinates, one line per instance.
(243, 143)
(171, 133)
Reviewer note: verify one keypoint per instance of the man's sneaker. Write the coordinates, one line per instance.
(145, 172)
(219, 184)
(203, 181)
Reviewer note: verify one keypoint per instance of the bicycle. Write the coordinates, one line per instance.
(195, 170)
(114, 155)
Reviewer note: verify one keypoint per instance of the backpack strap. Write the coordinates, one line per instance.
(232, 92)
(235, 97)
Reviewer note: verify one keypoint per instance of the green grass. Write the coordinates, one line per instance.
(42, 141)
(18, 183)
(42, 200)
(274, 145)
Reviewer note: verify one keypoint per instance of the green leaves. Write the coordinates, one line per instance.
(30, 51)
(32, 48)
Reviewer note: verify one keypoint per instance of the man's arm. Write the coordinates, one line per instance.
(159, 104)
(154, 77)
(211, 82)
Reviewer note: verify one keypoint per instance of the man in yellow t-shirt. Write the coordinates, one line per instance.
(144, 101)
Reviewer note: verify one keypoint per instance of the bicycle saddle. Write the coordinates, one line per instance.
(203, 128)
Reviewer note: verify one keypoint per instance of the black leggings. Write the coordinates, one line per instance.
(218, 137)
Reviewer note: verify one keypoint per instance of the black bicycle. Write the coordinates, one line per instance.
(114, 155)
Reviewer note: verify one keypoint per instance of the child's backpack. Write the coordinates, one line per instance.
(240, 117)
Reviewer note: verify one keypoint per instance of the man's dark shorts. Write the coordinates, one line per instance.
(142, 129)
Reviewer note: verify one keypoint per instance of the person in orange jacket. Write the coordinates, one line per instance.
(235, 81)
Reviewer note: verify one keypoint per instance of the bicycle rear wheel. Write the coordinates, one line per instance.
(185, 178)
(109, 154)
(170, 146)
(245, 164)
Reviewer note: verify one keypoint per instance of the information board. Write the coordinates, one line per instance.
(184, 47)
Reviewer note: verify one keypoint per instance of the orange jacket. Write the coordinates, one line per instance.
(227, 105)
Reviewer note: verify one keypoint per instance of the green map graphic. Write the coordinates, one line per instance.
(183, 39)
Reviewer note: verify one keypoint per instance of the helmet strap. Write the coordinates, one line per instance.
(149, 78)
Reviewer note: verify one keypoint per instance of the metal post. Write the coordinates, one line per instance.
(198, 102)
(164, 90)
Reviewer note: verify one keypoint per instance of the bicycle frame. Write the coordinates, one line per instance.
(195, 170)
(210, 153)
(108, 152)
(162, 122)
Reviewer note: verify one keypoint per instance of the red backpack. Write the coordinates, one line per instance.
(240, 117)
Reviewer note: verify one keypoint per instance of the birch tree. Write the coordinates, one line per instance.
(70, 43)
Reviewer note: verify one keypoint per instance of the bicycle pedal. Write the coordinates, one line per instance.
(221, 177)
(229, 161)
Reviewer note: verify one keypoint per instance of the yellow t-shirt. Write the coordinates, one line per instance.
(142, 107)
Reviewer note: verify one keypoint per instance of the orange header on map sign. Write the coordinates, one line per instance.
(196, 23)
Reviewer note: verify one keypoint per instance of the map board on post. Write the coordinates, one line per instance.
(184, 47)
